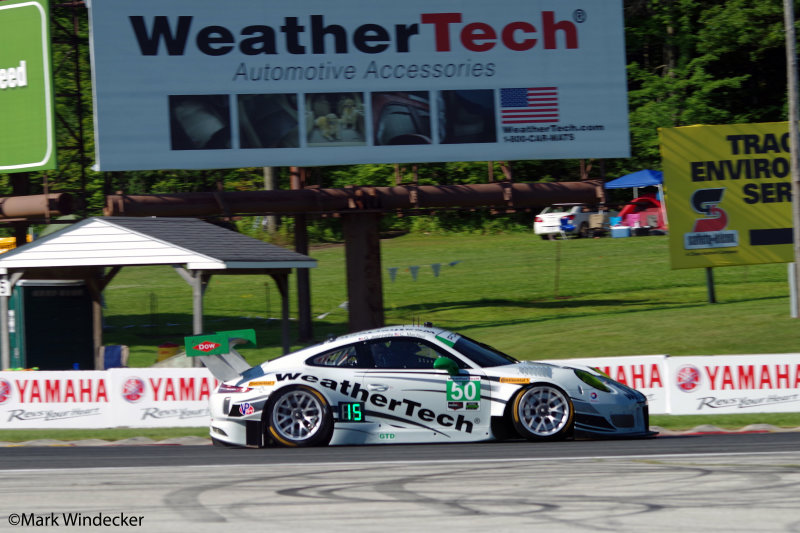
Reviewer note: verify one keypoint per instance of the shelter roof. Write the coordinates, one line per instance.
(129, 241)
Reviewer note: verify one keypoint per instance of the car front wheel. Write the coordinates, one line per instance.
(299, 416)
(542, 412)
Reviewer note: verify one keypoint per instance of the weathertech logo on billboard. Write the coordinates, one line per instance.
(314, 35)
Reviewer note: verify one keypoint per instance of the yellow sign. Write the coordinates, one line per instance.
(728, 191)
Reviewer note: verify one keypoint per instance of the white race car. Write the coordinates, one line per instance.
(414, 384)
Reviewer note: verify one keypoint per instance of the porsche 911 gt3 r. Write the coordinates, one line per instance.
(416, 384)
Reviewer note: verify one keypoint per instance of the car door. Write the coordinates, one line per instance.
(413, 402)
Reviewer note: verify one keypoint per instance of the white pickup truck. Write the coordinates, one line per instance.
(547, 224)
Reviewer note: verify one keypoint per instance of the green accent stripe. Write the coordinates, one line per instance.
(447, 342)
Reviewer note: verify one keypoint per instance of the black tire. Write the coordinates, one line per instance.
(298, 416)
(542, 412)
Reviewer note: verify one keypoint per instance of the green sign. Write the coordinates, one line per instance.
(463, 390)
(216, 343)
(27, 134)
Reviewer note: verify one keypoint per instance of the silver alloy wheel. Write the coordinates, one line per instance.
(544, 411)
(297, 415)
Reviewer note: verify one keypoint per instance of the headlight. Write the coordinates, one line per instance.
(601, 372)
(591, 380)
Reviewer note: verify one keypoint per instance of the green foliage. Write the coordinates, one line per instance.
(702, 63)
(474, 223)
(689, 62)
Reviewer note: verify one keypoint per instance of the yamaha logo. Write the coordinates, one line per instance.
(5, 391)
(688, 378)
(133, 389)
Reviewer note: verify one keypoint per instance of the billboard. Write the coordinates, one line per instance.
(27, 135)
(187, 84)
(729, 198)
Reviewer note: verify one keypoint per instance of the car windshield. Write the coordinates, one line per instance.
(559, 208)
(482, 354)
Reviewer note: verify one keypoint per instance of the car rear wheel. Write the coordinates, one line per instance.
(542, 412)
(299, 416)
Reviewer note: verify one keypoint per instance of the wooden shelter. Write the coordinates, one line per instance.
(95, 249)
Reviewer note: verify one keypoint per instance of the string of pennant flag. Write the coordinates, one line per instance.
(436, 268)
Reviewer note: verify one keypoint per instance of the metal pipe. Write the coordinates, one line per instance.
(36, 206)
(497, 194)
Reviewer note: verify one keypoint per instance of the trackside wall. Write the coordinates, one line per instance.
(173, 397)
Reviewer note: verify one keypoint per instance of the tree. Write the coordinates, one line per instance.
(718, 62)
(689, 62)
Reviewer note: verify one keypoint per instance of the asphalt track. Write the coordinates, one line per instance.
(741, 482)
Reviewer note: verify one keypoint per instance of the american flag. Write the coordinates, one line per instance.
(529, 106)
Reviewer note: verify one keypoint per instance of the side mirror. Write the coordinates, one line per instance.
(445, 363)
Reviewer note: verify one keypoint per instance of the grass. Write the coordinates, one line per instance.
(611, 297)
(156, 434)
(684, 422)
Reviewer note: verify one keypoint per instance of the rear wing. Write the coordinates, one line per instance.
(216, 351)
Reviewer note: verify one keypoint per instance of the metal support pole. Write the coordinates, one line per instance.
(5, 343)
(199, 284)
(791, 75)
(304, 333)
(282, 281)
(790, 270)
(304, 327)
(270, 184)
(7, 284)
(712, 297)
(96, 292)
(198, 279)
(558, 268)
(364, 282)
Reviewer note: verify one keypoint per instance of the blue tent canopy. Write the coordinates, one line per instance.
(642, 178)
